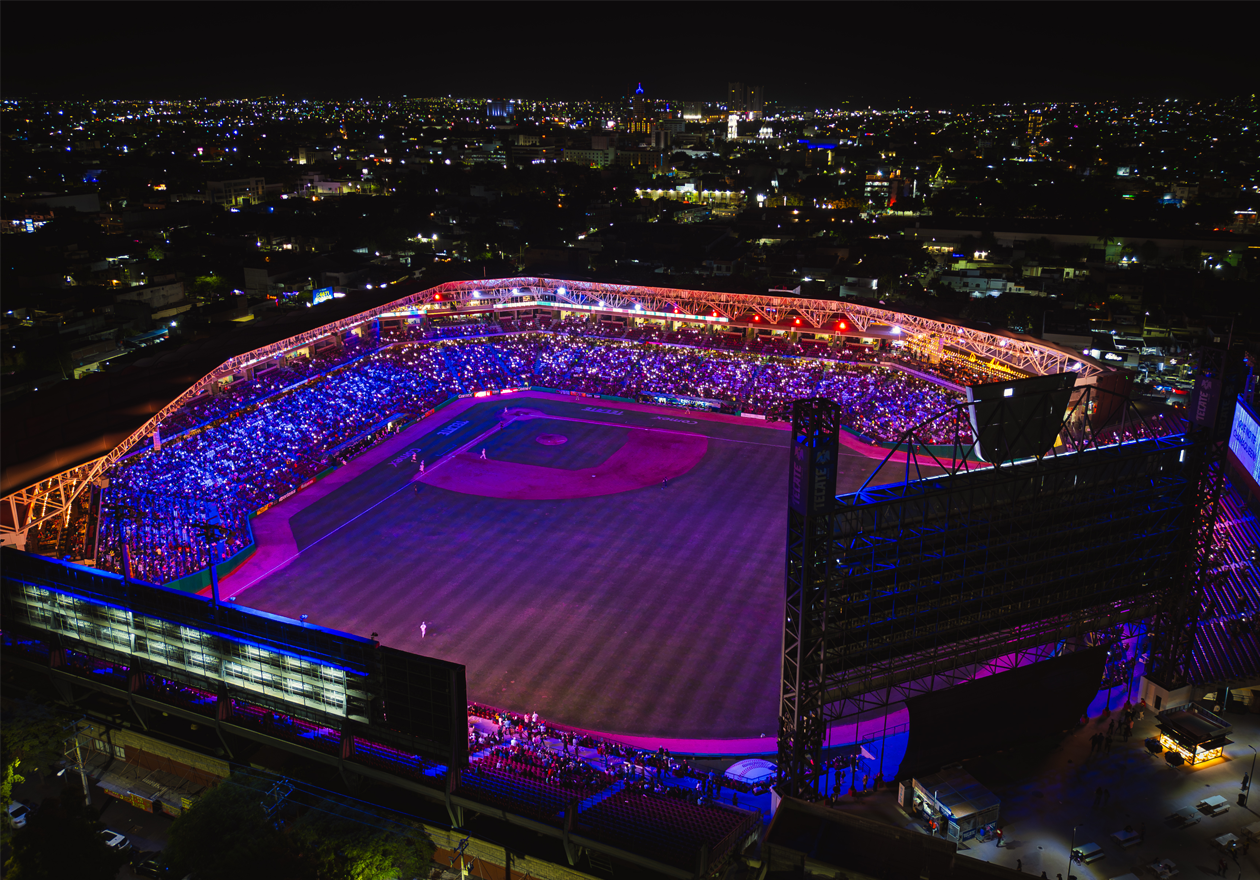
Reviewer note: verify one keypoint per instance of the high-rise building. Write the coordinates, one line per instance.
(638, 111)
(748, 101)
(755, 104)
(1034, 131)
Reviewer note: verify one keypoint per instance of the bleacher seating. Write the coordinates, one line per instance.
(670, 830)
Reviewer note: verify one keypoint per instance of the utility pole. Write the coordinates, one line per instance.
(280, 791)
(78, 763)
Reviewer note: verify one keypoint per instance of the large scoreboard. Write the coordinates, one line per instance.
(274, 673)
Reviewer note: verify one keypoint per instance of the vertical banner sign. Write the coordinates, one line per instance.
(1205, 401)
(812, 479)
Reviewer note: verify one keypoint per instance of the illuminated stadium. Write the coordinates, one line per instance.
(573, 492)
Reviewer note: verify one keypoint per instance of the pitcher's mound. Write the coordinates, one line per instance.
(646, 459)
(551, 439)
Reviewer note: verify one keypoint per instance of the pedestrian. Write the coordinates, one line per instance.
(1098, 795)
(1043, 876)
(1246, 779)
(999, 837)
(1106, 796)
(1221, 866)
(1019, 864)
(483, 454)
(1111, 725)
(424, 626)
(422, 467)
(1108, 744)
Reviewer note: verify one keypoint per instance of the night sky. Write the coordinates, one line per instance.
(821, 54)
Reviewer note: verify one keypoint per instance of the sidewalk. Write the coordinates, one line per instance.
(1047, 789)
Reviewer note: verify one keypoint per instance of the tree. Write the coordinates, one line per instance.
(1149, 252)
(227, 833)
(347, 842)
(31, 740)
(209, 286)
(61, 840)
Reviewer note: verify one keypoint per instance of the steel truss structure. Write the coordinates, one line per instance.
(908, 588)
(44, 501)
(1176, 623)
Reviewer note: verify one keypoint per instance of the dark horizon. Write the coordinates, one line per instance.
(941, 57)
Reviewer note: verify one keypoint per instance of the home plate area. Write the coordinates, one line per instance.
(536, 456)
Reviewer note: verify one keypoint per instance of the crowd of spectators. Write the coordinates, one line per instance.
(260, 452)
(884, 403)
(529, 745)
(248, 443)
(461, 328)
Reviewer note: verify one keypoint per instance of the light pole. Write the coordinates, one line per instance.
(1250, 776)
(1071, 850)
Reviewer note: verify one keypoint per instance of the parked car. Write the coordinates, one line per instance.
(115, 841)
(17, 814)
(150, 865)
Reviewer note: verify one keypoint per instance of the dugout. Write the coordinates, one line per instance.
(958, 804)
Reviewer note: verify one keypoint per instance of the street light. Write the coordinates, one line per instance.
(1071, 850)
(1242, 797)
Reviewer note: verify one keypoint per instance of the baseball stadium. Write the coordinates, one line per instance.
(561, 508)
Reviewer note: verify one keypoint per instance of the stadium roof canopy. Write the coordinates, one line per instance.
(59, 440)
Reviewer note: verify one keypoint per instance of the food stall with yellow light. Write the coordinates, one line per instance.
(1194, 733)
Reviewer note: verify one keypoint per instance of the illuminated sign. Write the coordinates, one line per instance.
(641, 312)
(109, 629)
(1244, 441)
(812, 479)
(321, 294)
